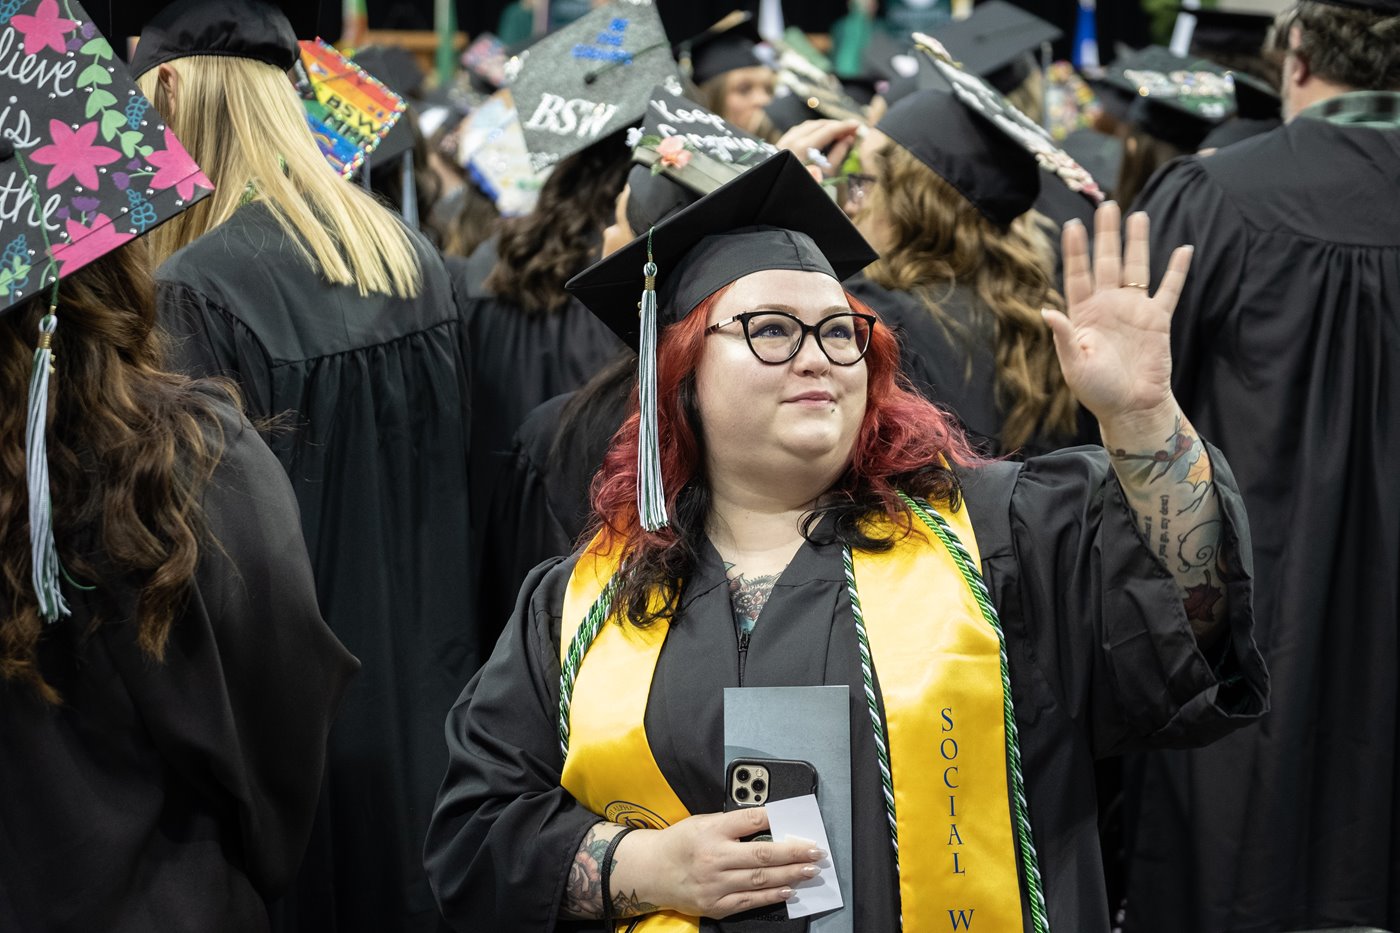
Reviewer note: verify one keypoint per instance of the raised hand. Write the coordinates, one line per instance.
(1115, 343)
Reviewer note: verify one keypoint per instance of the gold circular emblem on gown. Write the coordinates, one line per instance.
(630, 814)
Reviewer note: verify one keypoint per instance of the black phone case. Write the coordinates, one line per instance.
(786, 779)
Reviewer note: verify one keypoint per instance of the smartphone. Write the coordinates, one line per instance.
(752, 782)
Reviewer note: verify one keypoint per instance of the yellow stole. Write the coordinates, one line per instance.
(938, 664)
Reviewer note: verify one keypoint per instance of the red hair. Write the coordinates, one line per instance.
(905, 444)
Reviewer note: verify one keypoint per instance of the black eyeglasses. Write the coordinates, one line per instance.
(776, 336)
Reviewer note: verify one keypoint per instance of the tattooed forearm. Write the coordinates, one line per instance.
(1172, 494)
(583, 894)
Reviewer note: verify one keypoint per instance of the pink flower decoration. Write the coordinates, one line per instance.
(175, 168)
(73, 155)
(87, 243)
(45, 29)
(673, 152)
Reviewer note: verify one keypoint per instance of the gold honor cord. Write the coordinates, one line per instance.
(939, 669)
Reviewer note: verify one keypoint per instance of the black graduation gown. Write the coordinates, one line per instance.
(1286, 348)
(520, 361)
(176, 795)
(374, 405)
(1101, 660)
(954, 370)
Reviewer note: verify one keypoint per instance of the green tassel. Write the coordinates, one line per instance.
(43, 553)
(651, 496)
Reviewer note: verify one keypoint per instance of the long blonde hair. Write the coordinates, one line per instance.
(243, 123)
(938, 239)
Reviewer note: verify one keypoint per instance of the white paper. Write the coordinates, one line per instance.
(798, 819)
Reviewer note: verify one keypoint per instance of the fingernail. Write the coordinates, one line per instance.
(811, 871)
(816, 854)
(786, 893)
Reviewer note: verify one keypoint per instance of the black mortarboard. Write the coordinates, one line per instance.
(725, 46)
(774, 216)
(1170, 97)
(89, 170)
(888, 57)
(795, 101)
(968, 151)
(579, 85)
(396, 67)
(1255, 99)
(1228, 32)
(714, 152)
(995, 41)
(992, 153)
(861, 89)
(258, 29)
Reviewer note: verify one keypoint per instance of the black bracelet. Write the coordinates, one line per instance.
(605, 871)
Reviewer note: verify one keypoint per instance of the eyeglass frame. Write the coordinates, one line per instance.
(813, 329)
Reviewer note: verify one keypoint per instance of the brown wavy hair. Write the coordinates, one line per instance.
(537, 253)
(130, 449)
(940, 239)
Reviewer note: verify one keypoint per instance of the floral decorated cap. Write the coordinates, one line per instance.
(86, 163)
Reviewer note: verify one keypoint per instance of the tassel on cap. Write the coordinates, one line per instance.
(651, 496)
(43, 553)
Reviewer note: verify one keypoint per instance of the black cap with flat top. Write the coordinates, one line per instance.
(1176, 99)
(774, 216)
(726, 46)
(258, 29)
(997, 42)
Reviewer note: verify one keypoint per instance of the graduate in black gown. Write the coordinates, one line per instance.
(167, 682)
(539, 506)
(966, 267)
(755, 423)
(1286, 353)
(336, 321)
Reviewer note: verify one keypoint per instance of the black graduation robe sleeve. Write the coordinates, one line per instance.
(248, 694)
(503, 834)
(1096, 625)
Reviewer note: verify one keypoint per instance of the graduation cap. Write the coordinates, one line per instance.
(979, 142)
(485, 59)
(491, 149)
(262, 30)
(395, 66)
(774, 216)
(85, 172)
(726, 46)
(795, 100)
(1170, 97)
(348, 109)
(577, 86)
(684, 152)
(995, 42)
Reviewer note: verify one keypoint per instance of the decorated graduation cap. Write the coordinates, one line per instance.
(577, 86)
(996, 42)
(1173, 98)
(491, 149)
(728, 45)
(349, 111)
(979, 142)
(262, 30)
(86, 165)
(774, 216)
(683, 152)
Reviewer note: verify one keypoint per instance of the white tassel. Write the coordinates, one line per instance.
(651, 496)
(43, 553)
